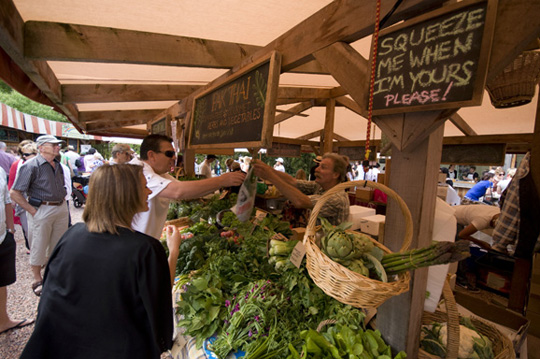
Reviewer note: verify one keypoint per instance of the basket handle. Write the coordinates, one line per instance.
(452, 342)
(310, 230)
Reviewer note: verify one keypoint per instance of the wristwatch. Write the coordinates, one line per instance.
(11, 230)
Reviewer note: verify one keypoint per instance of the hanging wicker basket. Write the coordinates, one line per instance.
(502, 346)
(516, 85)
(341, 283)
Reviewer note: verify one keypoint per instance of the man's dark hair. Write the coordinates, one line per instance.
(92, 151)
(152, 143)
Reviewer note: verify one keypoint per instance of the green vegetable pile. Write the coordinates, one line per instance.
(199, 209)
(239, 286)
(230, 290)
(343, 342)
(436, 253)
(355, 251)
(472, 344)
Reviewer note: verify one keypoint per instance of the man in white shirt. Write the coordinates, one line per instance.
(206, 166)
(157, 158)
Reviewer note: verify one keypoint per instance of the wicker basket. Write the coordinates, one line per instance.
(341, 283)
(502, 346)
(516, 85)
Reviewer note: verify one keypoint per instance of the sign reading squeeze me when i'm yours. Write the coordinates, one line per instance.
(438, 60)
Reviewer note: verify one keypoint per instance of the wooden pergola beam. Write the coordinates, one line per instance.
(293, 111)
(462, 125)
(339, 138)
(341, 20)
(85, 93)
(311, 135)
(134, 117)
(122, 132)
(73, 42)
(90, 93)
(294, 141)
(516, 138)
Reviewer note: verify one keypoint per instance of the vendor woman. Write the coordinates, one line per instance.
(331, 171)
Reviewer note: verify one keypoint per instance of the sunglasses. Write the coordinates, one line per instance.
(169, 154)
(28, 154)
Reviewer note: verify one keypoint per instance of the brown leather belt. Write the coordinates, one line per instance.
(51, 203)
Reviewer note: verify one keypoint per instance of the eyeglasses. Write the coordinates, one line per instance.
(28, 154)
(169, 154)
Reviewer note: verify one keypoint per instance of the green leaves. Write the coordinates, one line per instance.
(259, 89)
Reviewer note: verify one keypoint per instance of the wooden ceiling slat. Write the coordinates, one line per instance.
(92, 93)
(84, 93)
(74, 42)
(517, 138)
(135, 116)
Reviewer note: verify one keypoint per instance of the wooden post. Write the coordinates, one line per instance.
(329, 125)
(189, 162)
(414, 176)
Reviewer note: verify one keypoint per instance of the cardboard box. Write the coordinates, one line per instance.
(364, 194)
(373, 225)
(442, 191)
(507, 321)
(358, 212)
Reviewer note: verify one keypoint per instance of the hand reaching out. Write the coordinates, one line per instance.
(173, 239)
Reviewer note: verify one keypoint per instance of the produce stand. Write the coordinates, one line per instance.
(327, 36)
(242, 289)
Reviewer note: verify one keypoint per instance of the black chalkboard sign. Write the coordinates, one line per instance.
(239, 112)
(159, 127)
(489, 154)
(435, 61)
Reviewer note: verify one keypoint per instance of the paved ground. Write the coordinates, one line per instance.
(22, 302)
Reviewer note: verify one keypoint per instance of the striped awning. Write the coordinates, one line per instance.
(13, 118)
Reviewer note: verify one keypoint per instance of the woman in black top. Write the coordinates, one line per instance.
(107, 288)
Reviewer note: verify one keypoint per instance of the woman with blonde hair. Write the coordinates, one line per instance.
(107, 288)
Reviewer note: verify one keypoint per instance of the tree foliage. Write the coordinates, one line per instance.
(21, 103)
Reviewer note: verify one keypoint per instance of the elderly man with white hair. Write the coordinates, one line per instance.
(42, 179)
(121, 153)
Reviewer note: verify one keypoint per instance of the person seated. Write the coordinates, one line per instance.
(107, 288)
(481, 189)
(472, 175)
(305, 194)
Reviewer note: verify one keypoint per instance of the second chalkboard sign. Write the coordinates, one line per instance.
(436, 61)
(239, 112)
